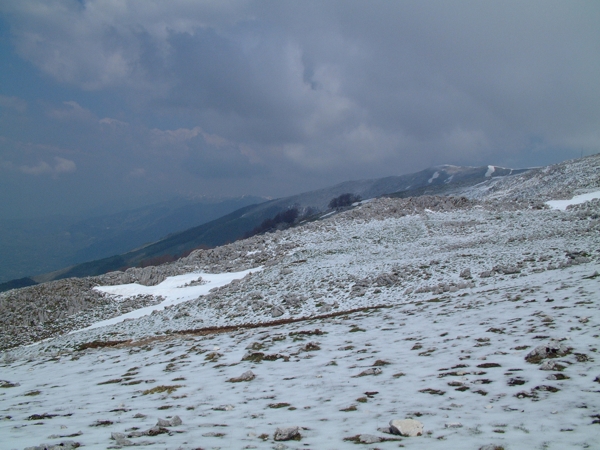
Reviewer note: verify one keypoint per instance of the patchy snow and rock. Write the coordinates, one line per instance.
(475, 317)
(174, 290)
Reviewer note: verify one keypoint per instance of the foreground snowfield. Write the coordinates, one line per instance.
(419, 308)
(447, 362)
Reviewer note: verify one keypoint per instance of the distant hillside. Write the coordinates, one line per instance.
(35, 246)
(440, 180)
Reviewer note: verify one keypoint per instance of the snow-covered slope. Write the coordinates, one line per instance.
(424, 308)
(557, 182)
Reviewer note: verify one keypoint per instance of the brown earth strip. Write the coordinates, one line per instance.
(224, 329)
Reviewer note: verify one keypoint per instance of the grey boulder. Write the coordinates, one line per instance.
(287, 434)
(406, 427)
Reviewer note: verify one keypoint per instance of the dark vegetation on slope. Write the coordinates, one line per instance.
(284, 220)
(280, 221)
(344, 200)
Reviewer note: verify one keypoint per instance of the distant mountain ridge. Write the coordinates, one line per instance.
(438, 180)
(550, 182)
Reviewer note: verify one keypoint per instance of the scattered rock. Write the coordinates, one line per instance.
(121, 439)
(371, 371)
(246, 376)
(553, 349)
(287, 434)
(432, 391)
(546, 388)
(64, 445)
(213, 434)
(551, 365)
(380, 362)
(163, 423)
(224, 408)
(406, 427)
(325, 308)
(254, 356)
(155, 431)
(369, 439)
(102, 423)
(174, 422)
(255, 346)
(507, 270)
(349, 408)
(41, 416)
(517, 381)
(465, 273)
(557, 376)
(277, 311)
(311, 346)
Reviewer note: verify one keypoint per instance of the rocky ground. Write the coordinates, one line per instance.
(476, 317)
(44, 311)
(512, 364)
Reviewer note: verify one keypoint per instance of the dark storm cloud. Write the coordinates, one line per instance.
(281, 96)
(250, 84)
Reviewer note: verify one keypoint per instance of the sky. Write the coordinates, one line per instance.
(122, 102)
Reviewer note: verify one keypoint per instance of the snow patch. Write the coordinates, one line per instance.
(490, 171)
(363, 202)
(173, 290)
(433, 177)
(578, 199)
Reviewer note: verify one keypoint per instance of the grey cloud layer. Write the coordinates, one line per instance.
(298, 93)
